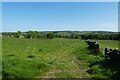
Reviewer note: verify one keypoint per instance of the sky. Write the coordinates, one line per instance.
(59, 16)
(60, 0)
(0, 16)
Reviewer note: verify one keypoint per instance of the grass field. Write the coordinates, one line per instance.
(0, 57)
(56, 58)
(109, 44)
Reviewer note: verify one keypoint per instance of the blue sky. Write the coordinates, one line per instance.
(0, 16)
(52, 16)
(60, 0)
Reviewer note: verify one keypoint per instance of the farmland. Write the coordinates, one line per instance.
(0, 58)
(52, 58)
(113, 44)
(108, 43)
(70, 39)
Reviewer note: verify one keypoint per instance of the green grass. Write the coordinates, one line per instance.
(0, 57)
(56, 58)
(98, 67)
(41, 58)
(109, 44)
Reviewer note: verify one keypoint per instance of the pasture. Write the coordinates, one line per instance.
(0, 57)
(109, 44)
(52, 58)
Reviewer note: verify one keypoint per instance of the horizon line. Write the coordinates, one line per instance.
(62, 30)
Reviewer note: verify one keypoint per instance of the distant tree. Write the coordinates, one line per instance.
(97, 36)
(50, 35)
(73, 35)
(84, 36)
(31, 34)
(17, 34)
(118, 36)
(77, 36)
(91, 36)
(106, 37)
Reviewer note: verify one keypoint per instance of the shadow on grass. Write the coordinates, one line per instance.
(114, 66)
(105, 67)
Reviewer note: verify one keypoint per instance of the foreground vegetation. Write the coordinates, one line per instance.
(41, 58)
(53, 58)
(0, 57)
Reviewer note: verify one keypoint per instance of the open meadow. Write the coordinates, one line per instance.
(52, 58)
(0, 58)
(113, 44)
(59, 39)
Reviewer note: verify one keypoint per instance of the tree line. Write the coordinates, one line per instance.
(112, 36)
(66, 34)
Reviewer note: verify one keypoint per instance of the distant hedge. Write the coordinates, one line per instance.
(67, 34)
(113, 36)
